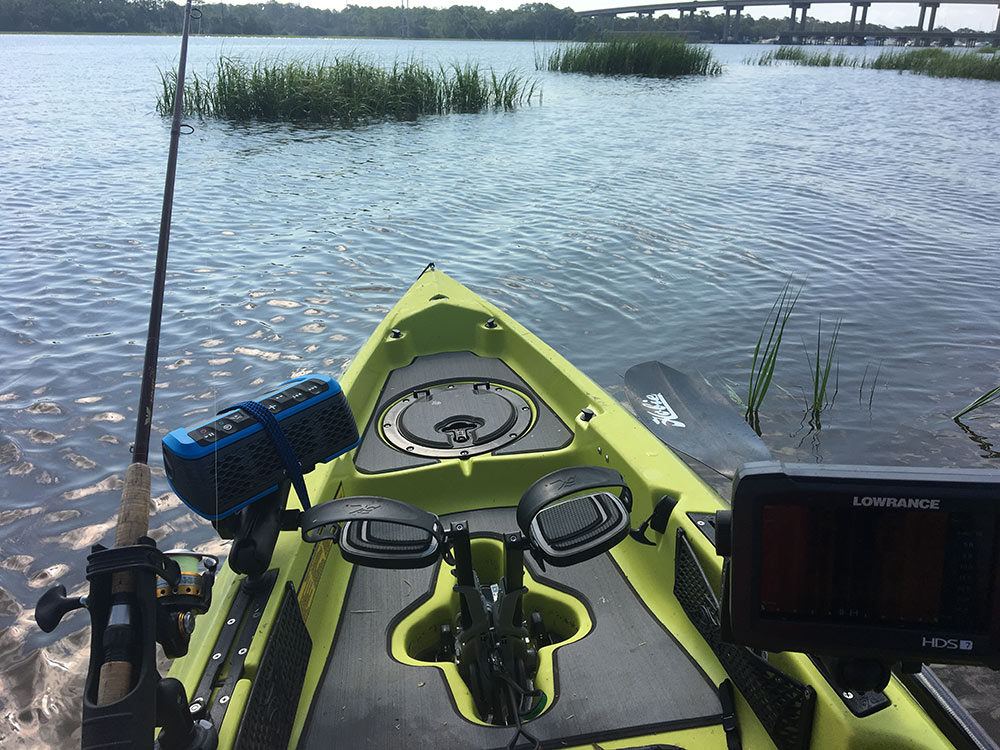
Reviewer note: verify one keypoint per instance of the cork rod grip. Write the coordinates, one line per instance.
(133, 522)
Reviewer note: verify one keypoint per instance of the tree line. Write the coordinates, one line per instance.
(538, 21)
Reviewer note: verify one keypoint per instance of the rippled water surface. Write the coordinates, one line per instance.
(620, 220)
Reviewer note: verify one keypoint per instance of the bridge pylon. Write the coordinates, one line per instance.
(792, 21)
(864, 15)
(732, 29)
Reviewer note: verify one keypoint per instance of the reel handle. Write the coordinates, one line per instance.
(55, 605)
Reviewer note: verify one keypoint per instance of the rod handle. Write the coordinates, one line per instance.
(133, 512)
(133, 522)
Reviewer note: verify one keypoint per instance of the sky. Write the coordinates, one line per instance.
(981, 17)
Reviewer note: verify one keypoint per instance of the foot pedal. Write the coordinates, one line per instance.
(377, 532)
(565, 530)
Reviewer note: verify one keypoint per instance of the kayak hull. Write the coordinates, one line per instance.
(635, 669)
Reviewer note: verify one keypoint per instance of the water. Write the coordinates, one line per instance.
(620, 220)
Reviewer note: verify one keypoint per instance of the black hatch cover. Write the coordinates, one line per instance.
(456, 419)
(385, 447)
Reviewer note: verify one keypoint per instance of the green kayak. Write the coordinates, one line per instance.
(609, 637)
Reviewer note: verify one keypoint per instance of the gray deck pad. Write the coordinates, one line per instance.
(628, 677)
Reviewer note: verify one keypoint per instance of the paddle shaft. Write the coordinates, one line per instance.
(133, 512)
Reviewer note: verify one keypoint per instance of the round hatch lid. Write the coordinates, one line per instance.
(456, 420)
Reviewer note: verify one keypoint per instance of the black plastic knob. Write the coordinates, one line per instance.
(54, 605)
(180, 730)
(724, 533)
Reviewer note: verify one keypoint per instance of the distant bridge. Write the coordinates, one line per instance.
(797, 26)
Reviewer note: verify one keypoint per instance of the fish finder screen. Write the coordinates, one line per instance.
(871, 566)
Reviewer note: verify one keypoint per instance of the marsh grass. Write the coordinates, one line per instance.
(820, 371)
(940, 63)
(765, 353)
(821, 59)
(653, 56)
(343, 90)
(790, 53)
(934, 62)
(988, 397)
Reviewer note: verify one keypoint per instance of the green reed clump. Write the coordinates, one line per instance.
(931, 61)
(820, 372)
(654, 56)
(468, 88)
(765, 353)
(828, 59)
(940, 64)
(801, 56)
(794, 54)
(345, 90)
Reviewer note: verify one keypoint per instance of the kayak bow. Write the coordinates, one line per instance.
(476, 440)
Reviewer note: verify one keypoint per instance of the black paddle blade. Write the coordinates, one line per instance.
(692, 417)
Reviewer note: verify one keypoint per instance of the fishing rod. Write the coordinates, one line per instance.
(134, 601)
(133, 513)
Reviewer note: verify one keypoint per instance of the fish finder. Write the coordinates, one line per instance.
(885, 563)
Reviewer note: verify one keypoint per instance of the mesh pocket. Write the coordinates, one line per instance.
(274, 696)
(783, 704)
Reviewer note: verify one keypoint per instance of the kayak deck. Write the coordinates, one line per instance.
(627, 677)
(636, 671)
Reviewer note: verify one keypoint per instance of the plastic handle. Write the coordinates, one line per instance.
(53, 606)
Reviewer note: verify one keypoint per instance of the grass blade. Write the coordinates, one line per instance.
(765, 359)
(986, 398)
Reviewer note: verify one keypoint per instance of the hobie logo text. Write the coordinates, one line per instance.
(923, 503)
(660, 410)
